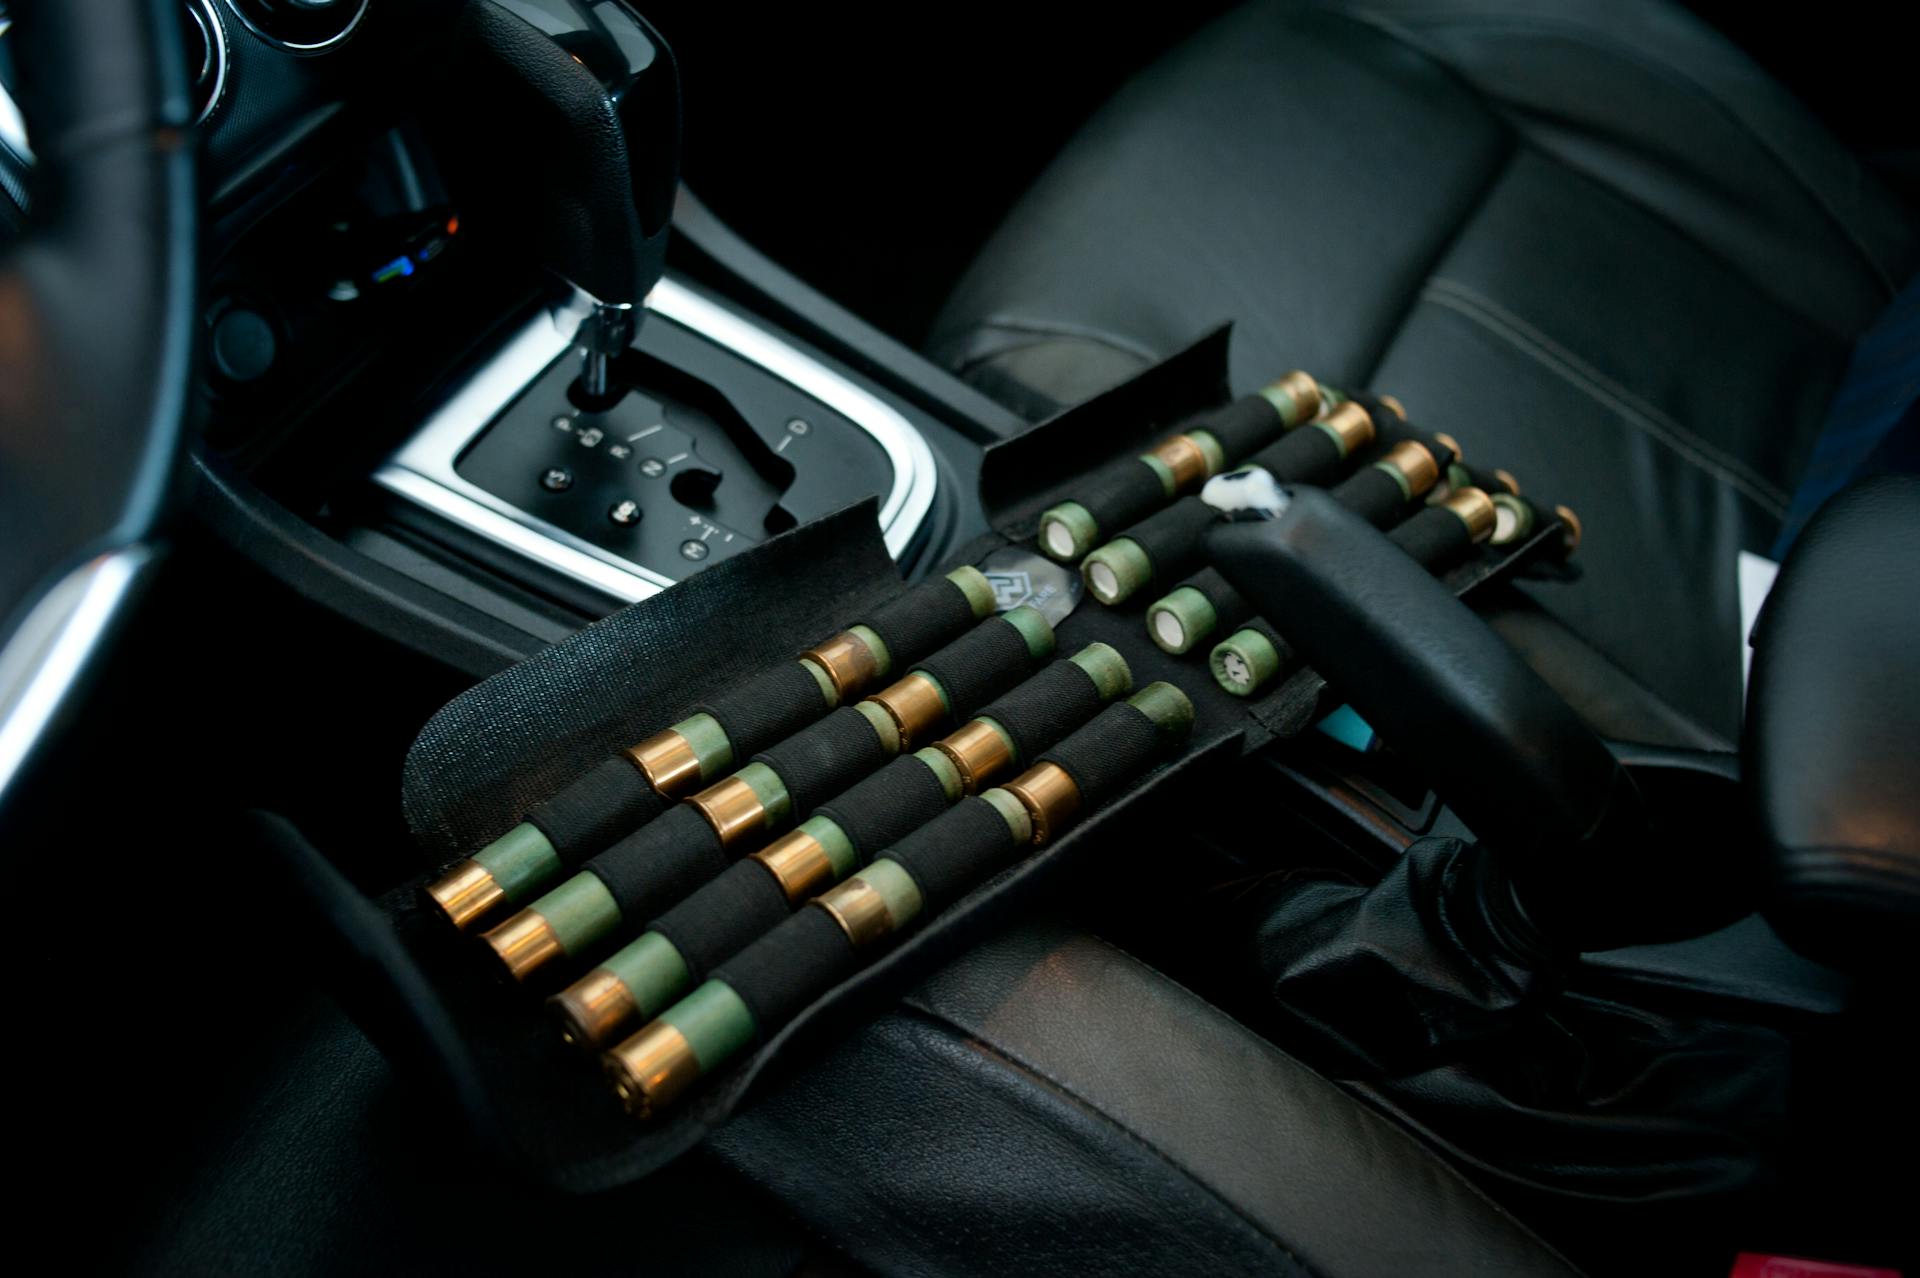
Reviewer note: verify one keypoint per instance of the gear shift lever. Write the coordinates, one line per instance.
(567, 113)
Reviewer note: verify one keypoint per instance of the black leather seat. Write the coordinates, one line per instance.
(1047, 1104)
(1589, 239)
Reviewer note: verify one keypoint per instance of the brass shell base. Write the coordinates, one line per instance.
(594, 1011)
(523, 945)
(466, 895)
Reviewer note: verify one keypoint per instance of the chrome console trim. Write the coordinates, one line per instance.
(422, 470)
(44, 660)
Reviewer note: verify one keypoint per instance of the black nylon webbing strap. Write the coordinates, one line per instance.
(1372, 494)
(979, 665)
(1304, 456)
(1242, 426)
(775, 703)
(1230, 607)
(948, 856)
(596, 809)
(1103, 757)
(787, 968)
(1045, 708)
(821, 761)
(1173, 537)
(1435, 538)
(899, 797)
(724, 916)
(1122, 494)
(916, 622)
(660, 862)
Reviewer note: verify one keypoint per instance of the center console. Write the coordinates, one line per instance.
(729, 435)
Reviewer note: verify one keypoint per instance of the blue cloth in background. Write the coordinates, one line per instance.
(1873, 424)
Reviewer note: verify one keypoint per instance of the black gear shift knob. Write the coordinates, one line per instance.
(566, 116)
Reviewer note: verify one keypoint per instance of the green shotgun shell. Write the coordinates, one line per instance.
(1180, 621)
(715, 1022)
(1296, 397)
(1170, 709)
(883, 726)
(1068, 531)
(560, 925)
(1512, 518)
(653, 972)
(1014, 813)
(1116, 570)
(771, 791)
(580, 912)
(1107, 668)
(708, 740)
(506, 872)
(1033, 627)
(1243, 662)
(520, 861)
(689, 1040)
(943, 771)
(974, 585)
(1211, 448)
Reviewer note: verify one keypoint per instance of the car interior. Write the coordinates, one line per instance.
(1230, 638)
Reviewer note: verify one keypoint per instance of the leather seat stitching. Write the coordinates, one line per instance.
(1598, 42)
(1530, 341)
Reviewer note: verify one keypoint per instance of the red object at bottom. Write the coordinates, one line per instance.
(1749, 1265)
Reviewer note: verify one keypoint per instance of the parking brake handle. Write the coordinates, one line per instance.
(1514, 760)
(569, 115)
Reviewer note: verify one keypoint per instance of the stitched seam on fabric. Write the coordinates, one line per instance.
(1587, 38)
(1521, 335)
(1133, 1137)
(1040, 331)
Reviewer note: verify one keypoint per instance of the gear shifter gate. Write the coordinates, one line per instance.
(679, 473)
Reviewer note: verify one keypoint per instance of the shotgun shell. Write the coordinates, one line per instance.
(850, 661)
(1570, 540)
(1412, 466)
(1296, 396)
(978, 750)
(1349, 426)
(1068, 531)
(873, 904)
(634, 985)
(690, 753)
(806, 860)
(506, 872)
(1116, 570)
(1244, 662)
(1474, 509)
(1180, 620)
(695, 1035)
(1184, 461)
(917, 705)
(1050, 796)
(981, 749)
(1512, 518)
(562, 924)
(749, 802)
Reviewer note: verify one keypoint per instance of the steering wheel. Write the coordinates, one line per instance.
(96, 339)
